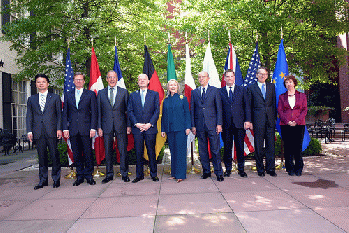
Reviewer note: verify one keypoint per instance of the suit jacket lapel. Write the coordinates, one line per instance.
(83, 94)
(258, 90)
(225, 93)
(36, 101)
(48, 99)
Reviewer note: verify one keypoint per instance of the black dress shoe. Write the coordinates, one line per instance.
(78, 182)
(242, 174)
(126, 179)
(291, 173)
(261, 174)
(227, 174)
(106, 180)
(272, 173)
(137, 179)
(155, 178)
(205, 175)
(91, 181)
(56, 184)
(41, 185)
(220, 178)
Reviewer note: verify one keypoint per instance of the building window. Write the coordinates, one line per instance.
(19, 107)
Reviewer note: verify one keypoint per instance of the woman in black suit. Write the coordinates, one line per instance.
(176, 124)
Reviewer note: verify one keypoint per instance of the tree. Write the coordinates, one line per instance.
(41, 34)
(309, 29)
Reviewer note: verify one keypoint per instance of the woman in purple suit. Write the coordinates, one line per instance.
(292, 109)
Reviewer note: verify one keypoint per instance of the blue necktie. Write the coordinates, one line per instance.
(143, 97)
(263, 90)
(77, 98)
(203, 97)
(231, 94)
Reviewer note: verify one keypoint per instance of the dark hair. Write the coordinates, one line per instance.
(79, 73)
(262, 68)
(290, 77)
(42, 76)
(229, 71)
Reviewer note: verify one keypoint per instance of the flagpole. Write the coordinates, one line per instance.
(208, 31)
(229, 36)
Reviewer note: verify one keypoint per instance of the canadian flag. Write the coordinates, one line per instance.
(96, 84)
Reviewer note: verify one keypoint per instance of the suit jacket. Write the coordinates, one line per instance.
(83, 119)
(175, 111)
(116, 114)
(147, 114)
(206, 112)
(50, 118)
(236, 111)
(263, 110)
(296, 114)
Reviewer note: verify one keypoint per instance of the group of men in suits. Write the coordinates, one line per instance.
(230, 110)
(113, 113)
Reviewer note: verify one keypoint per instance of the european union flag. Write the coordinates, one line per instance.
(280, 72)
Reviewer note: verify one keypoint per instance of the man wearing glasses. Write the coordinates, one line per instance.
(263, 109)
(112, 122)
(80, 124)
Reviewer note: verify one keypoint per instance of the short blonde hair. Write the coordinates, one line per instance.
(173, 80)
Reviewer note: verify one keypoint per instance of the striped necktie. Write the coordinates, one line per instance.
(42, 102)
(111, 96)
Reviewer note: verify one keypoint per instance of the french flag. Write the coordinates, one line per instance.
(232, 63)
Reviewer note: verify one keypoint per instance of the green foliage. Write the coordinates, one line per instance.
(314, 148)
(309, 29)
(62, 152)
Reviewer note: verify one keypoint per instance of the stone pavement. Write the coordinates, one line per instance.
(318, 201)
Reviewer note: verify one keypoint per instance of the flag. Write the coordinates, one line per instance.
(255, 63)
(69, 86)
(95, 85)
(121, 83)
(154, 85)
(280, 72)
(117, 69)
(210, 68)
(188, 87)
(232, 62)
(171, 72)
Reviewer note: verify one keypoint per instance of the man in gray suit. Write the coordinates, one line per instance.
(263, 110)
(44, 126)
(112, 121)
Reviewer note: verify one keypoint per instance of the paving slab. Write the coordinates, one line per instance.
(70, 192)
(46, 226)
(293, 220)
(9, 207)
(197, 203)
(128, 206)
(130, 189)
(68, 209)
(23, 193)
(216, 222)
(188, 186)
(244, 184)
(337, 215)
(141, 224)
(313, 198)
(261, 200)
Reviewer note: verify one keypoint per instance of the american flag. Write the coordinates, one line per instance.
(255, 63)
(69, 86)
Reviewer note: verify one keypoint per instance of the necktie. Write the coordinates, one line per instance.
(230, 94)
(77, 98)
(42, 102)
(111, 96)
(143, 97)
(203, 94)
(263, 90)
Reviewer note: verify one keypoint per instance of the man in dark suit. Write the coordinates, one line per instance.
(44, 125)
(112, 121)
(206, 120)
(236, 119)
(80, 124)
(263, 108)
(143, 112)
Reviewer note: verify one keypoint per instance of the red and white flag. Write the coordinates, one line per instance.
(96, 84)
